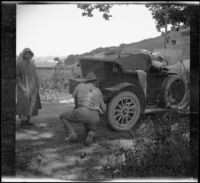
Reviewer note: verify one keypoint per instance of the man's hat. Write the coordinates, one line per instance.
(91, 77)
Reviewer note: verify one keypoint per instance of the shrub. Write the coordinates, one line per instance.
(164, 154)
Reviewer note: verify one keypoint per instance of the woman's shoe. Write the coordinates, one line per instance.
(26, 124)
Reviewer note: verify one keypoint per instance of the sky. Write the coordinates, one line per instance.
(61, 30)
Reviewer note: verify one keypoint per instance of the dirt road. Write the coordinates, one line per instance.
(42, 152)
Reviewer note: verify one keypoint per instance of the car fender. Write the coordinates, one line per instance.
(137, 89)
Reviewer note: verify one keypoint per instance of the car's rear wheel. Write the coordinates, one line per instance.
(124, 111)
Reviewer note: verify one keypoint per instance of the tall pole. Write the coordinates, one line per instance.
(166, 17)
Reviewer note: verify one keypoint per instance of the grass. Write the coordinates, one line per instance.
(165, 153)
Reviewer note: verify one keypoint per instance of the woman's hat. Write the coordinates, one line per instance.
(28, 50)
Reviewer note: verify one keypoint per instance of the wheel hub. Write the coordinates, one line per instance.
(125, 111)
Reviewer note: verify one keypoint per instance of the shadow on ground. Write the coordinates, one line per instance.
(42, 152)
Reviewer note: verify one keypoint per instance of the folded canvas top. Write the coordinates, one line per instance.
(171, 56)
(128, 58)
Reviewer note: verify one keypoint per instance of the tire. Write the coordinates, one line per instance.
(182, 89)
(124, 111)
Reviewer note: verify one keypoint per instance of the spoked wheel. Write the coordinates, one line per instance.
(124, 111)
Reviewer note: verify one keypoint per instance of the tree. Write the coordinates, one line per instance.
(176, 14)
(57, 59)
(88, 9)
(71, 59)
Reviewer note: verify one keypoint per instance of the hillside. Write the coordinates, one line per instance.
(177, 40)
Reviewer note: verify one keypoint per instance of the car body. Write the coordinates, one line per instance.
(121, 88)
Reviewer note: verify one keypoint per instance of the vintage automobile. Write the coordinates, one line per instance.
(122, 90)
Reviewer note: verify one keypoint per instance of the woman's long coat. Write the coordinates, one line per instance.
(28, 99)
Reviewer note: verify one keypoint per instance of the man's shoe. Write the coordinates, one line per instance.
(89, 138)
(71, 138)
(87, 130)
(30, 124)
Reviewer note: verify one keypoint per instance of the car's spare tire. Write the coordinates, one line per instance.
(178, 86)
(124, 111)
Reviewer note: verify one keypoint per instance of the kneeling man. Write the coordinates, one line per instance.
(89, 105)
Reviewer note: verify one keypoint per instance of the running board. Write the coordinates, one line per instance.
(150, 110)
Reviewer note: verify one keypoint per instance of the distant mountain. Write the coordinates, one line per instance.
(45, 64)
(46, 61)
(43, 58)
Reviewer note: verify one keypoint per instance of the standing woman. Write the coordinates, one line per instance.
(28, 99)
